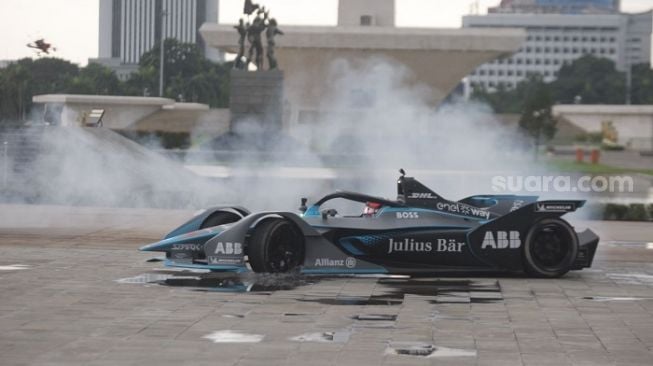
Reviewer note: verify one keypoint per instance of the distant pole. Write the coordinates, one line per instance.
(629, 80)
(5, 165)
(162, 55)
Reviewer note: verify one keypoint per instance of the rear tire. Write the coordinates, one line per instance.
(276, 246)
(219, 218)
(550, 248)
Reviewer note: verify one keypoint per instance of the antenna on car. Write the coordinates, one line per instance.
(402, 172)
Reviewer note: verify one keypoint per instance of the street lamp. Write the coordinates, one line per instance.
(164, 13)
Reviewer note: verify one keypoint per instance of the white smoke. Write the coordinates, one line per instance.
(372, 121)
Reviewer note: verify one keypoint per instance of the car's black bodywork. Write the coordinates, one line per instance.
(420, 232)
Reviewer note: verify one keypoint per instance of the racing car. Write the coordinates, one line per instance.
(418, 233)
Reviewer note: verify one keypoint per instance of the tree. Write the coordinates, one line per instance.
(95, 79)
(536, 119)
(595, 80)
(642, 89)
(187, 74)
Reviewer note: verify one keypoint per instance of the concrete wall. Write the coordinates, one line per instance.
(382, 12)
(634, 123)
(438, 58)
(132, 113)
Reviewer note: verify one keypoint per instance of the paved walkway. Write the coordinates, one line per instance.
(74, 290)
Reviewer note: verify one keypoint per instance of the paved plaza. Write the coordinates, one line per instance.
(75, 290)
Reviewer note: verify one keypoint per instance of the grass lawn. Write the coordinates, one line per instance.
(588, 168)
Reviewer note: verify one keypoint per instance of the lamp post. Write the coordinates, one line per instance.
(162, 46)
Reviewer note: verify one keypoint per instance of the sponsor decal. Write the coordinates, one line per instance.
(555, 207)
(224, 261)
(420, 195)
(516, 205)
(407, 215)
(413, 246)
(458, 208)
(501, 240)
(229, 248)
(181, 255)
(188, 247)
(330, 262)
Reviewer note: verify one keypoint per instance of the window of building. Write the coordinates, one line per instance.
(612, 51)
(546, 61)
(612, 39)
(528, 50)
(500, 73)
(556, 38)
(490, 72)
(556, 50)
(538, 38)
(518, 73)
(481, 72)
(537, 61)
(565, 39)
(528, 61)
(574, 39)
(509, 72)
(547, 38)
(592, 39)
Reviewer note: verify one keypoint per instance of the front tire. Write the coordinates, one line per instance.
(550, 248)
(276, 246)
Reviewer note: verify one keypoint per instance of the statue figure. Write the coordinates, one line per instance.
(272, 32)
(242, 28)
(254, 36)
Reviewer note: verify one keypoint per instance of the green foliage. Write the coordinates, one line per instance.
(188, 74)
(594, 80)
(536, 119)
(95, 79)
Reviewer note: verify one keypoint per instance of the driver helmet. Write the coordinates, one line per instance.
(371, 208)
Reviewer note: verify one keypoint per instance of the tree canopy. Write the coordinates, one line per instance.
(189, 76)
(589, 79)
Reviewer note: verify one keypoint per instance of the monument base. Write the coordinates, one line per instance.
(256, 101)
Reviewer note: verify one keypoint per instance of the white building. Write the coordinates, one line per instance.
(129, 28)
(555, 39)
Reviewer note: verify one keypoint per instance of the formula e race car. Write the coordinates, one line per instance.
(418, 233)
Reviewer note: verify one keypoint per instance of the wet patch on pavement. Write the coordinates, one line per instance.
(631, 278)
(341, 336)
(417, 349)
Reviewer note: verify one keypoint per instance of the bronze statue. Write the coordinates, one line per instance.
(253, 33)
(240, 63)
(272, 32)
(254, 36)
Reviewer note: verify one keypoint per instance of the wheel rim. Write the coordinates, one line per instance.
(284, 248)
(551, 247)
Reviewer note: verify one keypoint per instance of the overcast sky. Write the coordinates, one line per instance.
(72, 25)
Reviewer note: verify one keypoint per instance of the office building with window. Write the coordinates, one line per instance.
(555, 39)
(129, 28)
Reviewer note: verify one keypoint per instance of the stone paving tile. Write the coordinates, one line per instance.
(67, 308)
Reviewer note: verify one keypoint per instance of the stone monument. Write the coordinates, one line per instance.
(256, 98)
